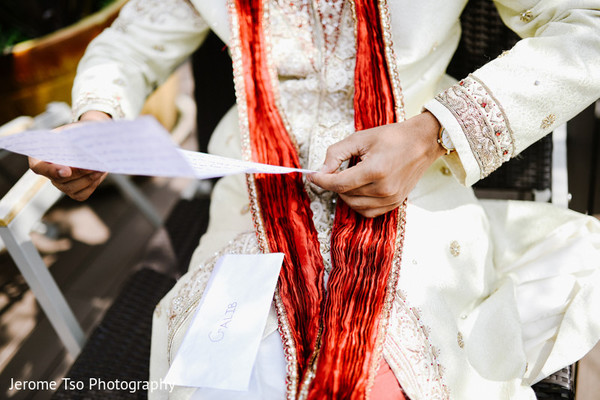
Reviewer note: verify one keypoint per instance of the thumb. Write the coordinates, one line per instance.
(63, 171)
(49, 170)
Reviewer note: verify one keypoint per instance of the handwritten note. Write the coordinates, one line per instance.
(139, 147)
(220, 346)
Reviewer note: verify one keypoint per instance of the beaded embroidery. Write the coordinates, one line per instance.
(410, 354)
(483, 121)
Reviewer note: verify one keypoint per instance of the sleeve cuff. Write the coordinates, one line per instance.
(462, 163)
(108, 106)
(115, 93)
(478, 127)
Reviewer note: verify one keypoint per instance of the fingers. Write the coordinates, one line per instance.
(375, 212)
(82, 187)
(340, 182)
(366, 187)
(337, 153)
(378, 187)
(85, 193)
(363, 179)
(49, 170)
(76, 183)
(363, 204)
(55, 172)
(370, 206)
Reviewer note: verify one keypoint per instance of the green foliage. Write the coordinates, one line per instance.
(27, 19)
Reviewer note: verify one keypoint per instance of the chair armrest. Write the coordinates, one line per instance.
(31, 190)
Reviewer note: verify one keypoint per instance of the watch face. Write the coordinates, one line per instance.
(446, 141)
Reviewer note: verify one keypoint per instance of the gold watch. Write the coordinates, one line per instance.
(445, 141)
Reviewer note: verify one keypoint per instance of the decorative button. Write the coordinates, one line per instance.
(460, 340)
(548, 121)
(445, 171)
(526, 16)
(537, 83)
(245, 209)
(455, 248)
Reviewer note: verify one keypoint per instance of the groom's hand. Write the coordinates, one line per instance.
(392, 160)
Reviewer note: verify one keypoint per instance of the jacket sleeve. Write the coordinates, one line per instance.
(546, 79)
(127, 61)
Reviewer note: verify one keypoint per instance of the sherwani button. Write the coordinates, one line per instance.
(455, 248)
(548, 121)
(445, 171)
(460, 340)
(245, 209)
(526, 16)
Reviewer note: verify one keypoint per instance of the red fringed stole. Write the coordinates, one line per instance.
(339, 329)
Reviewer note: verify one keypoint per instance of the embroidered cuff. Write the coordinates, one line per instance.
(462, 162)
(482, 121)
(89, 102)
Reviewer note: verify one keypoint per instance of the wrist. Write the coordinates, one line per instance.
(433, 129)
(94, 115)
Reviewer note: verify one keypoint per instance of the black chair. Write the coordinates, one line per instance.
(484, 37)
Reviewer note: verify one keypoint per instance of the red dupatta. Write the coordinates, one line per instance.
(332, 337)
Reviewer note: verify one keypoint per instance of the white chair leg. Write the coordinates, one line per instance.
(130, 191)
(44, 288)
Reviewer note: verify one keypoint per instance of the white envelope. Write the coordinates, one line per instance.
(221, 344)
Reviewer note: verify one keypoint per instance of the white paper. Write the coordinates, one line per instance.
(220, 347)
(207, 166)
(139, 147)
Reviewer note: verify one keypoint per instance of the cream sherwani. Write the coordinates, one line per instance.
(492, 296)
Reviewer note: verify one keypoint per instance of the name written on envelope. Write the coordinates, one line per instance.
(218, 333)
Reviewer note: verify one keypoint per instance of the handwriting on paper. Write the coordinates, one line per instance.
(139, 147)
